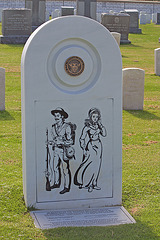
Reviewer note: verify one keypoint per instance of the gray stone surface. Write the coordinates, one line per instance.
(158, 18)
(56, 13)
(87, 8)
(1, 9)
(148, 17)
(38, 8)
(2, 89)
(117, 22)
(78, 69)
(142, 18)
(66, 10)
(134, 20)
(157, 61)
(13, 39)
(154, 17)
(16, 26)
(133, 88)
(117, 37)
(16, 22)
(107, 216)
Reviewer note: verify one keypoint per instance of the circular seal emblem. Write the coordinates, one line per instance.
(116, 19)
(74, 66)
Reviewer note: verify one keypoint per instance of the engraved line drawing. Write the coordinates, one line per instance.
(63, 139)
(87, 174)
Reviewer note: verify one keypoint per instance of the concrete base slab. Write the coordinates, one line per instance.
(135, 30)
(106, 216)
(125, 42)
(13, 39)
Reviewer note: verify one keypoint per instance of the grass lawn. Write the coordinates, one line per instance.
(141, 153)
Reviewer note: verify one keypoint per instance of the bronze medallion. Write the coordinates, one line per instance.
(74, 66)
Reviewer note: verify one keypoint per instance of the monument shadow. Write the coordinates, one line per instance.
(6, 116)
(145, 115)
(126, 232)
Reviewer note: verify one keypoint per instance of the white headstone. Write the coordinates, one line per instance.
(47, 16)
(157, 61)
(56, 13)
(143, 18)
(148, 18)
(154, 17)
(98, 17)
(1, 9)
(71, 86)
(133, 88)
(117, 37)
(2, 89)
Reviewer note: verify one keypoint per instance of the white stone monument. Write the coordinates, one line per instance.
(56, 13)
(154, 17)
(133, 88)
(117, 37)
(142, 18)
(157, 61)
(2, 89)
(148, 17)
(72, 118)
(1, 9)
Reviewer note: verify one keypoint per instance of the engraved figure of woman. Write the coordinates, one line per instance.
(88, 172)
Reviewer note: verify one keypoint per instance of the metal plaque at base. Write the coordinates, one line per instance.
(107, 216)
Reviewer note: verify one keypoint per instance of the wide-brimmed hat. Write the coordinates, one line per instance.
(61, 111)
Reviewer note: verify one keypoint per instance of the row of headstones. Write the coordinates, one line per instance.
(142, 17)
(67, 10)
(19, 22)
(133, 88)
(146, 18)
(23, 21)
(133, 85)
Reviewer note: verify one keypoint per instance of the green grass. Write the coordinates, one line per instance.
(141, 154)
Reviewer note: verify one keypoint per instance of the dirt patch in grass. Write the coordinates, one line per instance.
(13, 69)
(150, 142)
(135, 211)
(128, 147)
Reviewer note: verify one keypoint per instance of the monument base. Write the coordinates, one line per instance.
(135, 30)
(107, 216)
(13, 39)
(125, 42)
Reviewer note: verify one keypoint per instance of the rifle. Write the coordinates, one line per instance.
(48, 187)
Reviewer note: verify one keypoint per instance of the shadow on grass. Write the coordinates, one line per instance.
(124, 56)
(132, 45)
(144, 115)
(4, 115)
(136, 231)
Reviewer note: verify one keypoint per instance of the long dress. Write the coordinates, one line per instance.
(88, 172)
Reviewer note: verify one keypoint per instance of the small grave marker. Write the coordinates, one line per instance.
(2, 89)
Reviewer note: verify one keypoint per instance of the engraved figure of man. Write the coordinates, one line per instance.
(63, 135)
